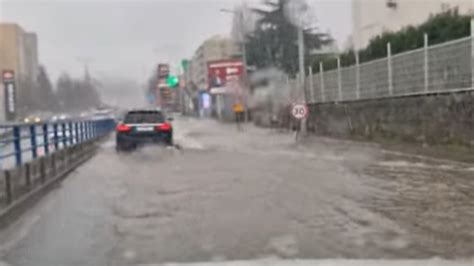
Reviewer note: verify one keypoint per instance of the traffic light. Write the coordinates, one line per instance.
(185, 64)
(172, 81)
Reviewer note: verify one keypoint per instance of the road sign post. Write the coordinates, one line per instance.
(300, 112)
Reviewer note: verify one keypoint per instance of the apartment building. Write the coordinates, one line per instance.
(18, 52)
(215, 48)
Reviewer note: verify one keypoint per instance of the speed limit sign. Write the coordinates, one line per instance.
(299, 111)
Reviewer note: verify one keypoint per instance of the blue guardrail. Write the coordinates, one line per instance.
(21, 142)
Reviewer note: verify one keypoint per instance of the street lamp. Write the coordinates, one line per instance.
(243, 48)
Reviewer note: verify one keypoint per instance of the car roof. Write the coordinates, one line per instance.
(144, 111)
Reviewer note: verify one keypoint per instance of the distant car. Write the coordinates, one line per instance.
(60, 117)
(140, 127)
(32, 119)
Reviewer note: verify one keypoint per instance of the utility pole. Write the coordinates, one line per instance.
(241, 17)
(302, 75)
(301, 62)
(242, 40)
(244, 58)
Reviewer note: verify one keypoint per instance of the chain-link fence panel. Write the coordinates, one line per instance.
(374, 79)
(450, 65)
(330, 86)
(349, 83)
(408, 72)
(317, 93)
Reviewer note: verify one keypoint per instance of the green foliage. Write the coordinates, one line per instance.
(440, 28)
(274, 40)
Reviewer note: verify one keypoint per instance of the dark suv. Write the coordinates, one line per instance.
(142, 127)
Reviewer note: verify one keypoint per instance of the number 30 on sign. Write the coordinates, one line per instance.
(299, 111)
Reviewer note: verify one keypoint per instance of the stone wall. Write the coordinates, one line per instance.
(431, 119)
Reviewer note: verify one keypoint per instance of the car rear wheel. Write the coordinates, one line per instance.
(169, 140)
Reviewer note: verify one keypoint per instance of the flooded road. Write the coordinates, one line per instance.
(229, 195)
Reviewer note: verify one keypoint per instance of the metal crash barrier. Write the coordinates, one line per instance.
(32, 156)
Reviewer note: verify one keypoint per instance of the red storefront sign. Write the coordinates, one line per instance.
(222, 72)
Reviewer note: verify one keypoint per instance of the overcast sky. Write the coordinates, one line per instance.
(127, 38)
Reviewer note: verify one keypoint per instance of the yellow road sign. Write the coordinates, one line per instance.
(238, 108)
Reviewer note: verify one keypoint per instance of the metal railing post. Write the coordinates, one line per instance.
(28, 175)
(63, 129)
(71, 134)
(8, 187)
(17, 144)
(311, 85)
(76, 128)
(426, 63)
(45, 139)
(357, 75)
(321, 79)
(339, 80)
(34, 151)
(99, 129)
(89, 130)
(389, 69)
(86, 130)
(472, 52)
(53, 165)
(81, 128)
(95, 129)
(56, 137)
(42, 165)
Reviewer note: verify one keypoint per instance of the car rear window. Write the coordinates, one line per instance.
(144, 117)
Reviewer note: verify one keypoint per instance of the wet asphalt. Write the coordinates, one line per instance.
(225, 194)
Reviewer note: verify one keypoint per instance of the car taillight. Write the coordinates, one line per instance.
(123, 128)
(164, 127)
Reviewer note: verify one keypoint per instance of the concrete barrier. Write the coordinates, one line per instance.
(432, 119)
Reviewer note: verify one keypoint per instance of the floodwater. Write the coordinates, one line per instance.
(248, 195)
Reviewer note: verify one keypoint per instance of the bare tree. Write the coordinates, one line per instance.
(44, 98)
(77, 94)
